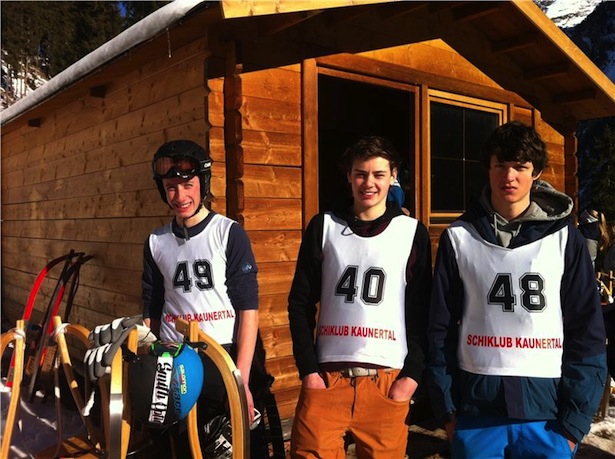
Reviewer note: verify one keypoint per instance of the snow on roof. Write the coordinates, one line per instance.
(138, 33)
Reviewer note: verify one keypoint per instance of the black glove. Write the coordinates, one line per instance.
(106, 339)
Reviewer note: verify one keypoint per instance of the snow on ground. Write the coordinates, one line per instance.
(36, 430)
(36, 426)
(602, 433)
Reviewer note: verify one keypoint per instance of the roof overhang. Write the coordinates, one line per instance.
(512, 42)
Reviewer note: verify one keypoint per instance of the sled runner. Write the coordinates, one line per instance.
(16, 335)
(235, 390)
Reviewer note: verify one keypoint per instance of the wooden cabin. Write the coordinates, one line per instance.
(276, 90)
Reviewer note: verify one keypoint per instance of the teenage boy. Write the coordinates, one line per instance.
(516, 337)
(369, 267)
(201, 267)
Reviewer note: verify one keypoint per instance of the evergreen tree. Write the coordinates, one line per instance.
(77, 28)
(135, 11)
(597, 167)
(19, 36)
(52, 35)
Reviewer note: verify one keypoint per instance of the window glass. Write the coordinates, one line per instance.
(457, 135)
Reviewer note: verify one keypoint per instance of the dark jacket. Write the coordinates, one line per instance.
(571, 399)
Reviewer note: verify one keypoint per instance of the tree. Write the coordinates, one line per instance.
(20, 39)
(597, 166)
(49, 36)
(135, 11)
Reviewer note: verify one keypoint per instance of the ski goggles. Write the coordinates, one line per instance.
(184, 167)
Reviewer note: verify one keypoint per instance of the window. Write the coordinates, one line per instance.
(458, 130)
(351, 108)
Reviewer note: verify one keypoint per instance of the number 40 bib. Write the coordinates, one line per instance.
(362, 314)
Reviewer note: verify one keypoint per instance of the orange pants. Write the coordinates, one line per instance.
(356, 405)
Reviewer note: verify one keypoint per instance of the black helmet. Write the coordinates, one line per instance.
(185, 159)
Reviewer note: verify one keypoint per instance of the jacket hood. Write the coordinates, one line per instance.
(546, 204)
(548, 210)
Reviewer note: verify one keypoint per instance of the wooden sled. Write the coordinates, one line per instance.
(234, 387)
(115, 403)
(114, 394)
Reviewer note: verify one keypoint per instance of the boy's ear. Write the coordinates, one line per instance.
(537, 176)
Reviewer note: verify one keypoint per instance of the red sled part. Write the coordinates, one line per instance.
(56, 300)
(70, 272)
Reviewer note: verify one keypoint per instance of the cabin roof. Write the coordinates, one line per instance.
(512, 42)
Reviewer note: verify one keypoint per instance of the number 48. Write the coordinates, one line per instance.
(532, 288)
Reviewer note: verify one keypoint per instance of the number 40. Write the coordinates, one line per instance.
(372, 289)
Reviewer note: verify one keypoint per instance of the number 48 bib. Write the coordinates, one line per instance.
(512, 318)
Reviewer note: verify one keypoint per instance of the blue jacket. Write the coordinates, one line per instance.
(572, 399)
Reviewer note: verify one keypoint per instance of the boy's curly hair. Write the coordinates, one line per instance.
(515, 141)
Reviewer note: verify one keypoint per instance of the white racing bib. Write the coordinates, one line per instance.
(194, 274)
(362, 313)
(512, 319)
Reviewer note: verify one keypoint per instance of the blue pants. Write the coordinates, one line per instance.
(489, 437)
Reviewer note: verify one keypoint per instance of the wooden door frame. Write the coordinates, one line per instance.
(343, 69)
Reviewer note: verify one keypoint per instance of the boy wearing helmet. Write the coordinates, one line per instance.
(200, 267)
(360, 362)
(516, 337)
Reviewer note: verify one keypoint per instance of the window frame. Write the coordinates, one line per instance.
(433, 95)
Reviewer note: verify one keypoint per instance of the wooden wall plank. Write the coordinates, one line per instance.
(274, 182)
(275, 278)
(277, 341)
(262, 214)
(273, 310)
(107, 254)
(275, 245)
(119, 230)
(274, 84)
(261, 114)
(262, 147)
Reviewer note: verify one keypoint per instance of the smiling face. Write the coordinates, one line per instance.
(370, 180)
(184, 196)
(511, 182)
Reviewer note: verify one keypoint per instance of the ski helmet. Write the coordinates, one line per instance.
(185, 159)
(165, 383)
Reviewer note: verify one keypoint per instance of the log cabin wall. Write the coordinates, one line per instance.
(82, 180)
(268, 194)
